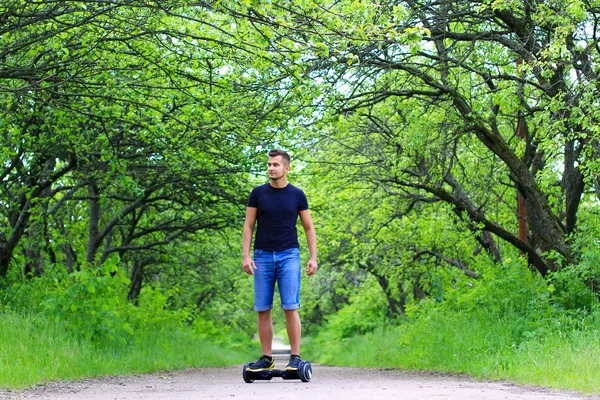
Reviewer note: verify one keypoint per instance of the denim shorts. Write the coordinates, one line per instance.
(281, 267)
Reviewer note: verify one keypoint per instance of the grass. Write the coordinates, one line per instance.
(505, 349)
(569, 362)
(34, 350)
(549, 353)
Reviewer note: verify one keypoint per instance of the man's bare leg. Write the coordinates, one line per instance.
(294, 330)
(265, 332)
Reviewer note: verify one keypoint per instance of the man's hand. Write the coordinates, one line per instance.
(248, 265)
(311, 267)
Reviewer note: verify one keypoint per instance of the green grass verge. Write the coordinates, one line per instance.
(34, 350)
(477, 346)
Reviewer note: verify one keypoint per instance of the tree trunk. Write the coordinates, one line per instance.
(93, 243)
(418, 292)
(7, 246)
(33, 255)
(137, 278)
(573, 185)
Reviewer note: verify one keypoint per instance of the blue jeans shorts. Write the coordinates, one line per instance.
(281, 267)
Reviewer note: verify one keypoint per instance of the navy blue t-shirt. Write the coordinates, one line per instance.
(277, 215)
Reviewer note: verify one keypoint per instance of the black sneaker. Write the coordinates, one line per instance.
(264, 363)
(294, 363)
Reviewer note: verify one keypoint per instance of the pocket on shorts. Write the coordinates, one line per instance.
(257, 252)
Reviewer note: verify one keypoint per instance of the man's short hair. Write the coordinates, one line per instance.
(285, 156)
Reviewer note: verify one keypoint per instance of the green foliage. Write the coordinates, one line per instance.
(70, 326)
(569, 290)
(35, 350)
(364, 313)
(92, 303)
(131, 134)
(505, 327)
(503, 290)
(573, 287)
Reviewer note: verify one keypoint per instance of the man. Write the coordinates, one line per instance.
(276, 206)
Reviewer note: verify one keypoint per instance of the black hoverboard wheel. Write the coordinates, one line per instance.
(246, 374)
(305, 371)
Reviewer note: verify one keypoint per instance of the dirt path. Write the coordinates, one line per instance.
(328, 383)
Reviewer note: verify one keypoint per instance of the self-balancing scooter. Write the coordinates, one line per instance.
(304, 373)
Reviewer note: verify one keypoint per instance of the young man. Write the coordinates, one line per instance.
(276, 206)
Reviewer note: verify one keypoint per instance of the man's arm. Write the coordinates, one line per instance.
(247, 263)
(311, 240)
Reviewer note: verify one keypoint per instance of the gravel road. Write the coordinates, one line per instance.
(329, 383)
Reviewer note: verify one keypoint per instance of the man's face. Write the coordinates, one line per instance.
(277, 168)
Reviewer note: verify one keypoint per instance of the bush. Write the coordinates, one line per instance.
(364, 313)
(35, 350)
(92, 304)
(509, 325)
(69, 326)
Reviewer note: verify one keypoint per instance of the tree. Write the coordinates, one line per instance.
(476, 70)
(126, 128)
